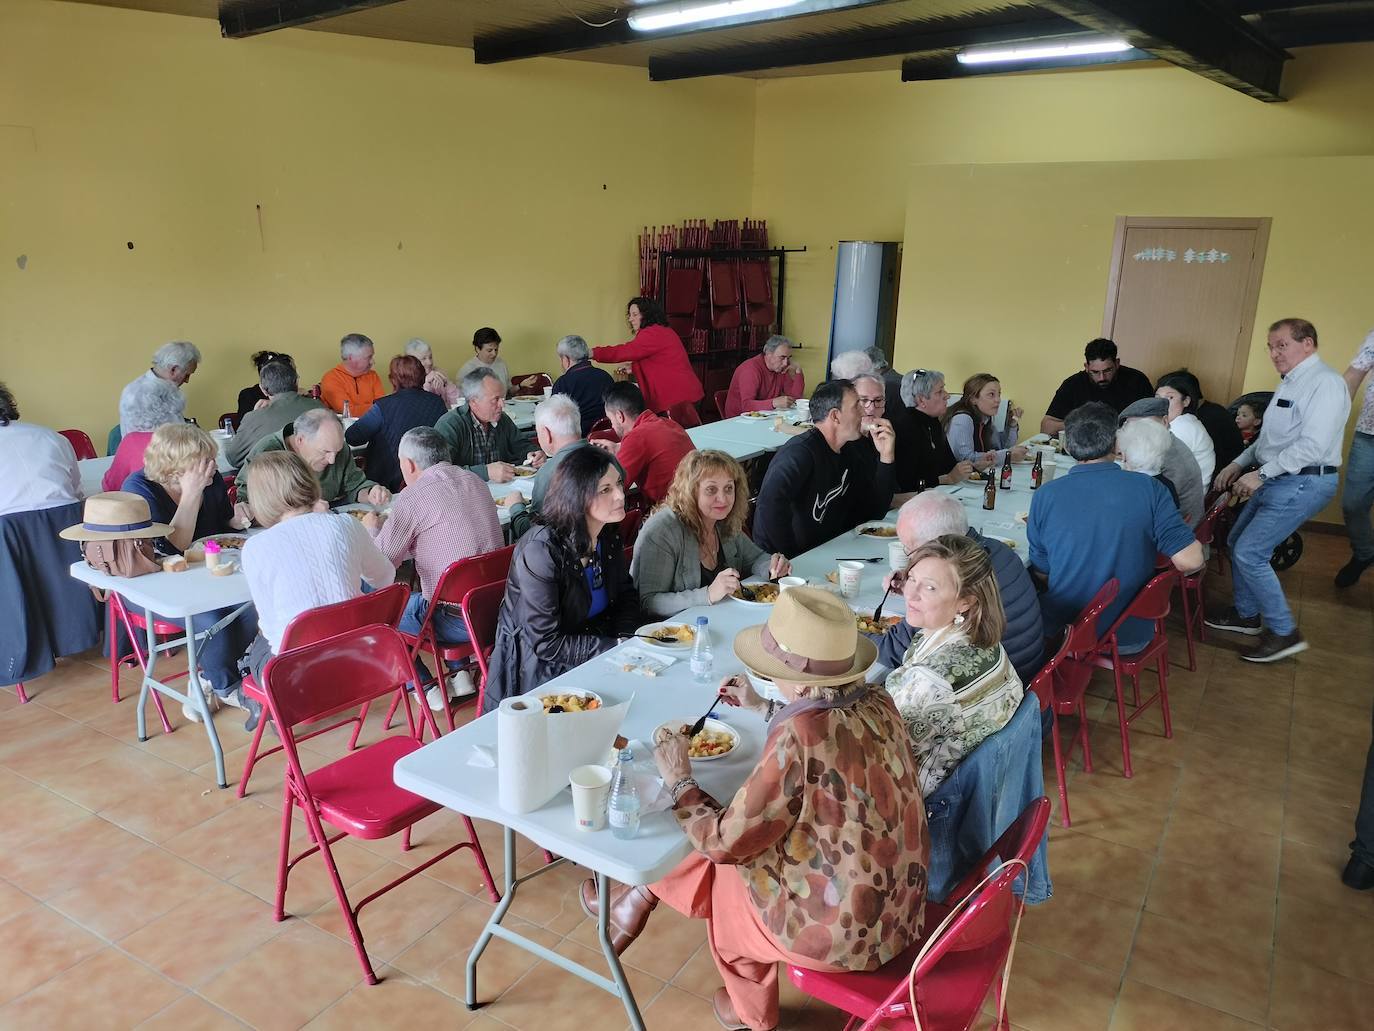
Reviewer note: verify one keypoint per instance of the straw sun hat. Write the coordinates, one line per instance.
(114, 516)
(810, 638)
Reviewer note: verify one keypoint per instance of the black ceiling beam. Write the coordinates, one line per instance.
(516, 46)
(859, 45)
(1314, 29)
(238, 20)
(1198, 35)
(924, 69)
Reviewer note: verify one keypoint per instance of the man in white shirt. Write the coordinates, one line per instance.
(1293, 467)
(1359, 473)
(173, 365)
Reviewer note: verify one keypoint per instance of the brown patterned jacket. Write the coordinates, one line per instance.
(829, 832)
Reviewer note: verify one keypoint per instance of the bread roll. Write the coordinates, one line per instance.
(174, 564)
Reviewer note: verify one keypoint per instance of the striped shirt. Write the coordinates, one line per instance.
(446, 514)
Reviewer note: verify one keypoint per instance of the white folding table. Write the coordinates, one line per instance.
(181, 597)
(92, 471)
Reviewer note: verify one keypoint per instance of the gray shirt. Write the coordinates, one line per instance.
(1183, 472)
(263, 422)
(666, 567)
(1304, 424)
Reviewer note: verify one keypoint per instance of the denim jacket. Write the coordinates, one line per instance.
(981, 798)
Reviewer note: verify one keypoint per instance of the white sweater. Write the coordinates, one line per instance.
(1189, 429)
(308, 561)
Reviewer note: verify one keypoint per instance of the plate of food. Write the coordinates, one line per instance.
(760, 415)
(357, 511)
(672, 636)
(524, 471)
(715, 741)
(756, 593)
(887, 531)
(868, 625)
(1009, 542)
(570, 700)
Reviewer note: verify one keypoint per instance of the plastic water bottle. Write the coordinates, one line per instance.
(702, 662)
(622, 811)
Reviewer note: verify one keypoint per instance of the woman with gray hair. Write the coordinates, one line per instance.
(932, 461)
(1142, 445)
(435, 380)
(147, 403)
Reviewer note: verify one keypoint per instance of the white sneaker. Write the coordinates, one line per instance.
(211, 703)
(232, 698)
(460, 684)
(435, 697)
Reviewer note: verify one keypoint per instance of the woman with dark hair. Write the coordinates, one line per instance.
(1219, 423)
(254, 396)
(486, 346)
(968, 424)
(387, 421)
(655, 357)
(568, 594)
(1182, 392)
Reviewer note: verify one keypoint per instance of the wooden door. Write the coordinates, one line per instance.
(1183, 292)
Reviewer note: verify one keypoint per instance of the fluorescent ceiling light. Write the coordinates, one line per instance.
(1044, 51)
(670, 16)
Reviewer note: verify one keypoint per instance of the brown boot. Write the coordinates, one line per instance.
(630, 909)
(724, 1010)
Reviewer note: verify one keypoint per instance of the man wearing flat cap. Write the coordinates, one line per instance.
(1180, 467)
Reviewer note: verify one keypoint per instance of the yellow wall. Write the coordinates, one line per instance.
(404, 192)
(836, 156)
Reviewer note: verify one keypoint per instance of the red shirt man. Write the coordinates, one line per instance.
(657, 359)
(649, 448)
(766, 381)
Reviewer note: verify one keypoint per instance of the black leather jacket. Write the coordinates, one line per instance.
(543, 629)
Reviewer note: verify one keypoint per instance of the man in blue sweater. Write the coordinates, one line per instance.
(934, 513)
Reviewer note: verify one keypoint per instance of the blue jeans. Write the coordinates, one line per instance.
(448, 625)
(1273, 512)
(1359, 497)
(218, 657)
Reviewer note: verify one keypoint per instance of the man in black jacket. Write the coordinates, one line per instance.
(933, 514)
(825, 481)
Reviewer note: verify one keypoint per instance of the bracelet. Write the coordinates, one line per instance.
(680, 788)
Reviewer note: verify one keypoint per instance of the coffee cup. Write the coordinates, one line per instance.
(786, 582)
(591, 789)
(897, 558)
(548, 391)
(851, 576)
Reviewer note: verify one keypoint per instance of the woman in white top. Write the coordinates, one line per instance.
(307, 557)
(1186, 426)
(486, 343)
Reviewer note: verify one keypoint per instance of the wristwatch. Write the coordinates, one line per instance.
(1264, 476)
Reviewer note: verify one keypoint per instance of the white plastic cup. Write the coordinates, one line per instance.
(851, 576)
(786, 582)
(548, 391)
(591, 789)
(897, 558)
(1048, 467)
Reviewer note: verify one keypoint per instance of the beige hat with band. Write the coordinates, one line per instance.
(115, 515)
(811, 637)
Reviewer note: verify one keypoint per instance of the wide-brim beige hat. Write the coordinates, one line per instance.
(811, 637)
(115, 515)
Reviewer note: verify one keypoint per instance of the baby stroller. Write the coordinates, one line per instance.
(1285, 556)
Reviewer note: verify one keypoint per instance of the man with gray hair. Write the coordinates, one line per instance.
(160, 387)
(932, 462)
(481, 437)
(581, 380)
(352, 386)
(443, 515)
(284, 404)
(318, 437)
(854, 364)
(768, 381)
(936, 514)
(1099, 522)
(1179, 467)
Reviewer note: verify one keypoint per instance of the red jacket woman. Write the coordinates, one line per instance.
(658, 359)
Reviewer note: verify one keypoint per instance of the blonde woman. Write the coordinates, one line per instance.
(306, 557)
(956, 685)
(693, 549)
(183, 486)
(185, 490)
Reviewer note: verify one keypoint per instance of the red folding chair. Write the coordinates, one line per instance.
(1190, 584)
(945, 977)
(377, 607)
(685, 414)
(454, 584)
(1061, 685)
(536, 389)
(356, 794)
(136, 629)
(1152, 603)
(720, 397)
(81, 443)
(233, 418)
(481, 609)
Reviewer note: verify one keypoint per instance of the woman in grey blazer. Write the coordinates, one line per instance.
(693, 549)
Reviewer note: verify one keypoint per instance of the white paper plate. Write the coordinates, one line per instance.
(757, 604)
(672, 646)
(711, 724)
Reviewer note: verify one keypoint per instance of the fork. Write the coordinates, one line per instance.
(696, 727)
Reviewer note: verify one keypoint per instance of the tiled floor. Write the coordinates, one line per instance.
(1203, 893)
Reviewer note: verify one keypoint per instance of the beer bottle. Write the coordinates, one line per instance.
(1038, 469)
(990, 493)
(1006, 472)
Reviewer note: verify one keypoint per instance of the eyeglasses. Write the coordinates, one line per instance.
(872, 402)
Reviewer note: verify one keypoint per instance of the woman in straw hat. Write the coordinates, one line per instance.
(820, 858)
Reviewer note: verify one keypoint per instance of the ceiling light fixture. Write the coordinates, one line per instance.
(670, 16)
(1044, 51)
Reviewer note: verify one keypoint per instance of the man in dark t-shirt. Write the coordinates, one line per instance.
(1103, 379)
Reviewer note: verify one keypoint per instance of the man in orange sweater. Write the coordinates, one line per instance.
(352, 381)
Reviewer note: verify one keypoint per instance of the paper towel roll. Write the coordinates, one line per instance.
(522, 750)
